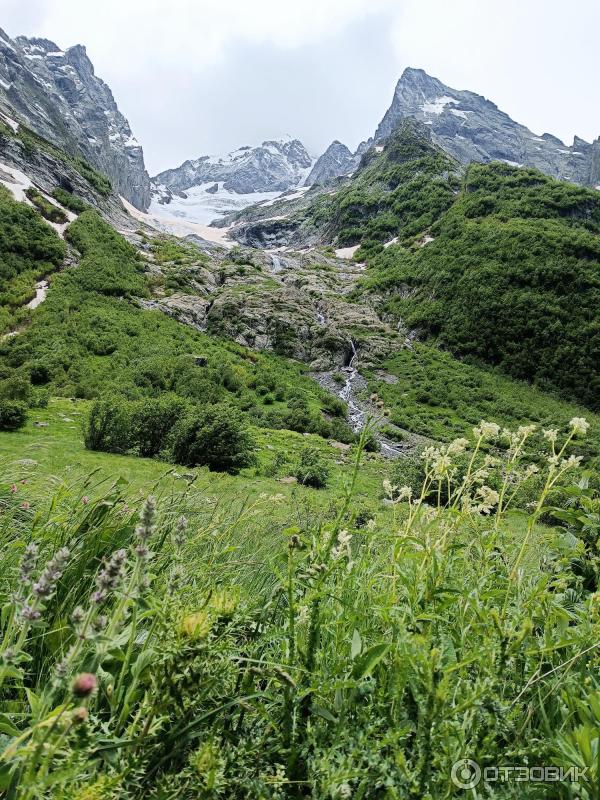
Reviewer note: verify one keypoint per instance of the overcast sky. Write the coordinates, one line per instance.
(206, 76)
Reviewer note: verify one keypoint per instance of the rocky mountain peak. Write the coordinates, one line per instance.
(472, 128)
(336, 160)
(56, 93)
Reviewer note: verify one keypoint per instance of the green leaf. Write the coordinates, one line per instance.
(356, 644)
(7, 727)
(142, 662)
(368, 661)
(323, 712)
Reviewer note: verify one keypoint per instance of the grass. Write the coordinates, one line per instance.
(61, 457)
(261, 649)
(439, 396)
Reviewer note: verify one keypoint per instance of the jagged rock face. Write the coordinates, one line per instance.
(57, 95)
(471, 128)
(336, 160)
(275, 166)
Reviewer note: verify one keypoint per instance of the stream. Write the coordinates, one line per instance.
(357, 411)
(41, 290)
(356, 416)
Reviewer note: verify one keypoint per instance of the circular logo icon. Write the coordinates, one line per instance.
(466, 773)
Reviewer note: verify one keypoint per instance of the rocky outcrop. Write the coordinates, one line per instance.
(275, 166)
(56, 94)
(336, 160)
(293, 304)
(471, 128)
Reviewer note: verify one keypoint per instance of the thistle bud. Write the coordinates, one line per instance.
(84, 684)
(79, 715)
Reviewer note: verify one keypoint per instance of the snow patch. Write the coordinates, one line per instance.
(9, 121)
(461, 114)
(438, 105)
(202, 207)
(179, 227)
(41, 290)
(511, 163)
(15, 181)
(346, 252)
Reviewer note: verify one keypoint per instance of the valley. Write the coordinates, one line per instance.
(300, 456)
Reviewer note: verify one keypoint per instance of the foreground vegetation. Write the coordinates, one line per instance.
(145, 657)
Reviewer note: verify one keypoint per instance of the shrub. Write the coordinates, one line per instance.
(47, 209)
(98, 181)
(13, 414)
(153, 420)
(110, 426)
(69, 200)
(312, 469)
(216, 437)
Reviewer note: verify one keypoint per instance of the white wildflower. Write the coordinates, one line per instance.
(388, 488)
(441, 465)
(480, 475)
(344, 538)
(370, 526)
(458, 446)
(487, 499)
(345, 791)
(525, 430)
(551, 435)
(491, 461)
(405, 493)
(579, 425)
(487, 430)
(571, 461)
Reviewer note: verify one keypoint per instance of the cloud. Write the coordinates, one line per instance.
(198, 76)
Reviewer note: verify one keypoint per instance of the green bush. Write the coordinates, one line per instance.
(312, 469)
(47, 209)
(510, 278)
(153, 421)
(13, 414)
(69, 200)
(29, 249)
(110, 426)
(98, 181)
(216, 437)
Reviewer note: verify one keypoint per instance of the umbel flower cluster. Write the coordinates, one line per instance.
(471, 492)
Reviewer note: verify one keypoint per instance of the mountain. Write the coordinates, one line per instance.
(336, 160)
(56, 94)
(201, 189)
(273, 167)
(471, 128)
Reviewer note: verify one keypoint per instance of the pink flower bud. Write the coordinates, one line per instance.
(84, 684)
(85, 499)
(13, 488)
(25, 505)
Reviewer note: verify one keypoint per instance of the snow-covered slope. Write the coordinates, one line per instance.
(204, 188)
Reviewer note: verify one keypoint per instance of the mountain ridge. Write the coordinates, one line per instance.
(472, 128)
(57, 94)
